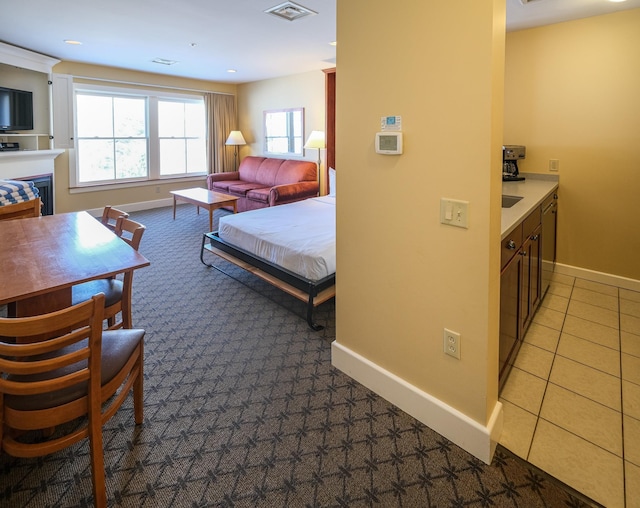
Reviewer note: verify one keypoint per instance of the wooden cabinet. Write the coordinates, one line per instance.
(520, 287)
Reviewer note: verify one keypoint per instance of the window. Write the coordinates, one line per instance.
(181, 132)
(135, 135)
(283, 131)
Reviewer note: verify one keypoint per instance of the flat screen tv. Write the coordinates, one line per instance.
(16, 110)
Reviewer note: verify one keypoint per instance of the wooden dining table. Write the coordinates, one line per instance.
(42, 258)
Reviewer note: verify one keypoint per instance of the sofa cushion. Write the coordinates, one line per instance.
(268, 171)
(242, 188)
(223, 185)
(249, 167)
(261, 195)
(292, 171)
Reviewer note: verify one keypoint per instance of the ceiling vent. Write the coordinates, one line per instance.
(290, 11)
(163, 61)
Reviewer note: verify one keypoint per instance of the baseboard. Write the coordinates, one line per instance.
(603, 278)
(475, 438)
(136, 207)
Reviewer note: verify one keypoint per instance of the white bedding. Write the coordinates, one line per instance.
(300, 236)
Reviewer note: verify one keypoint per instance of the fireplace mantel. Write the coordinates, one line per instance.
(24, 163)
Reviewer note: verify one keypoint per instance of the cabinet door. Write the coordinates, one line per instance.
(62, 111)
(509, 316)
(535, 271)
(530, 289)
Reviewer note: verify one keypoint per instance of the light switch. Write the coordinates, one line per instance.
(454, 212)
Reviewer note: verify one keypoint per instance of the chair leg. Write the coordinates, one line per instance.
(97, 462)
(138, 402)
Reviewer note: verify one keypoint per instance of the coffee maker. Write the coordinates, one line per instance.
(510, 156)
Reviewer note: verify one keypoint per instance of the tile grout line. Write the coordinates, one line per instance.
(546, 386)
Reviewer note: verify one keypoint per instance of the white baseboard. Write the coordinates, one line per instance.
(475, 438)
(136, 207)
(603, 278)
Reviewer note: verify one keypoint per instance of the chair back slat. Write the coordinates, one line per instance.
(22, 210)
(46, 366)
(110, 216)
(130, 231)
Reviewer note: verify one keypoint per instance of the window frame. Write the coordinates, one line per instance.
(153, 96)
(293, 116)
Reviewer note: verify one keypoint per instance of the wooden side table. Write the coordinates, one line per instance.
(204, 198)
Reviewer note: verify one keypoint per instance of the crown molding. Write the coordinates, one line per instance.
(13, 55)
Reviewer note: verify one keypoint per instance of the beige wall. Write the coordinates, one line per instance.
(572, 93)
(67, 201)
(402, 276)
(304, 90)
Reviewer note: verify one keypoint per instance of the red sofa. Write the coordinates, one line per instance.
(263, 181)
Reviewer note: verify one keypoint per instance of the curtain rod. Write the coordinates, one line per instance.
(107, 80)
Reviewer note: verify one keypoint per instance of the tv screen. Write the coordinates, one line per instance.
(16, 110)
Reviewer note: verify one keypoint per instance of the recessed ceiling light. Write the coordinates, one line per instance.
(72, 42)
(616, 1)
(163, 61)
(334, 43)
(231, 70)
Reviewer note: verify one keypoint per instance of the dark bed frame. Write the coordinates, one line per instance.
(313, 293)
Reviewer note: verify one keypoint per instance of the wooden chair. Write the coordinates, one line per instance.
(117, 292)
(22, 210)
(73, 376)
(110, 216)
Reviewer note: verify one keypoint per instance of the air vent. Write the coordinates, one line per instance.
(163, 61)
(290, 11)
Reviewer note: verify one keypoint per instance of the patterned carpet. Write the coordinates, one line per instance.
(243, 409)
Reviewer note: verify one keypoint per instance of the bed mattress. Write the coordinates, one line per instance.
(300, 236)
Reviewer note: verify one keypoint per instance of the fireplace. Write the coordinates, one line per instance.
(44, 184)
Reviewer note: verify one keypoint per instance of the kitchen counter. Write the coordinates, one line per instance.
(534, 189)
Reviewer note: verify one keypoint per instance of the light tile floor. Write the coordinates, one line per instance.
(572, 400)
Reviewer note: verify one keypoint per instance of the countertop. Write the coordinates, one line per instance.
(534, 189)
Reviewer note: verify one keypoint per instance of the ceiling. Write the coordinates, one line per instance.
(206, 38)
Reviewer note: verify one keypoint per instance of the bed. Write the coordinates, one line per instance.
(291, 246)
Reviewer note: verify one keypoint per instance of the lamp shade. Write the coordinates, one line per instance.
(235, 138)
(315, 140)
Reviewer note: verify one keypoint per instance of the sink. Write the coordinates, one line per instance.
(509, 201)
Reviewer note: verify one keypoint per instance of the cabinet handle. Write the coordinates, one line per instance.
(523, 253)
(534, 238)
(511, 245)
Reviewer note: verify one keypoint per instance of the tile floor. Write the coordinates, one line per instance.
(572, 400)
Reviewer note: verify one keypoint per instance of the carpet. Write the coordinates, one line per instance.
(243, 409)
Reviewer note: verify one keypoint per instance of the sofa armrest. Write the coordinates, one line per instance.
(216, 177)
(290, 192)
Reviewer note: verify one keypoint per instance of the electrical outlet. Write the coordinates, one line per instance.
(452, 343)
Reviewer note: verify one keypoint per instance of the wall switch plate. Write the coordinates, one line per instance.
(452, 343)
(454, 212)
(554, 164)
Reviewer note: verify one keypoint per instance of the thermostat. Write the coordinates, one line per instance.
(389, 143)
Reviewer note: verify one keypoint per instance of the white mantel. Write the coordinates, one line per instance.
(24, 163)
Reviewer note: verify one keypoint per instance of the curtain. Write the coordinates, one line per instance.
(221, 120)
